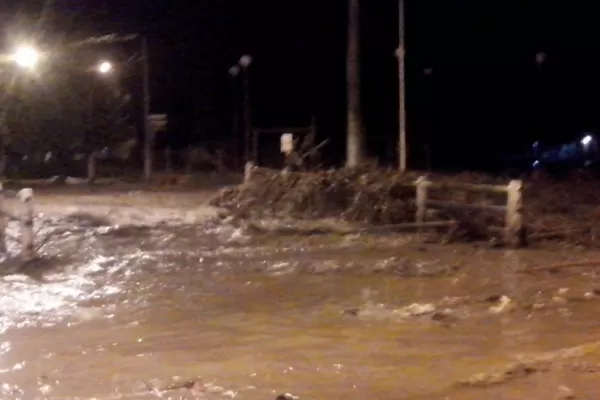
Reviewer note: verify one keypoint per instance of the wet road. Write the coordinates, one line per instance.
(126, 313)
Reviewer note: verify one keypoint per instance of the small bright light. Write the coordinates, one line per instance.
(540, 58)
(587, 140)
(26, 57)
(535, 164)
(105, 67)
(245, 60)
(234, 71)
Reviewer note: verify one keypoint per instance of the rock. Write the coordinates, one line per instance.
(353, 312)
(416, 310)
(504, 304)
(493, 298)
(444, 316)
(565, 393)
(285, 396)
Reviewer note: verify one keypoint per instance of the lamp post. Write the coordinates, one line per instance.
(104, 69)
(235, 128)
(146, 98)
(428, 73)
(242, 66)
(540, 58)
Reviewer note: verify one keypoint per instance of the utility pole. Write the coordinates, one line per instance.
(235, 126)
(247, 116)
(400, 52)
(148, 134)
(354, 140)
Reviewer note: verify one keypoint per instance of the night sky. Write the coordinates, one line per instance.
(481, 99)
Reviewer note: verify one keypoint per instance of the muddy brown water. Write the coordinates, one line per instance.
(125, 313)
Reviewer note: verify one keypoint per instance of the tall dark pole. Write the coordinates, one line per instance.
(402, 151)
(540, 58)
(428, 73)
(148, 135)
(354, 140)
(247, 116)
(235, 128)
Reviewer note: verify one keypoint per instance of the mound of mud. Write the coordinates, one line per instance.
(565, 210)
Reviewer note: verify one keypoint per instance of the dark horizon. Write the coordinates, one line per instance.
(481, 99)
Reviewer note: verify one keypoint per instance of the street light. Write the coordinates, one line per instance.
(586, 141)
(105, 67)
(144, 60)
(242, 66)
(26, 57)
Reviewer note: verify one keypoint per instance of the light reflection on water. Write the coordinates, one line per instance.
(129, 310)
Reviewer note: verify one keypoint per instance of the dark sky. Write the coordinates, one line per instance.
(481, 98)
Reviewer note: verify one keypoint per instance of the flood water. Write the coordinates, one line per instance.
(213, 312)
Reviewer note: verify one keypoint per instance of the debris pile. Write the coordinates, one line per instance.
(566, 211)
(362, 196)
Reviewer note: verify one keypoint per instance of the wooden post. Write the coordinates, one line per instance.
(220, 159)
(26, 220)
(248, 171)
(514, 218)
(422, 183)
(91, 167)
(3, 221)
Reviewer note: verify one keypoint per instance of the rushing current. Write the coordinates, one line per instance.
(212, 311)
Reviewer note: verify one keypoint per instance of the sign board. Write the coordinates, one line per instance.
(158, 122)
(287, 143)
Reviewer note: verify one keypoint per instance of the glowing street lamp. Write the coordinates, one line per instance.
(26, 57)
(586, 141)
(105, 67)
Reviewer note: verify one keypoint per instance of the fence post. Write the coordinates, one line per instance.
(3, 221)
(248, 171)
(514, 218)
(422, 183)
(26, 220)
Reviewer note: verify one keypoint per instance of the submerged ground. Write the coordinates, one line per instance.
(143, 296)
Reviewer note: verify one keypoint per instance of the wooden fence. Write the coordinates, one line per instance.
(513, 229)
(24, 214)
